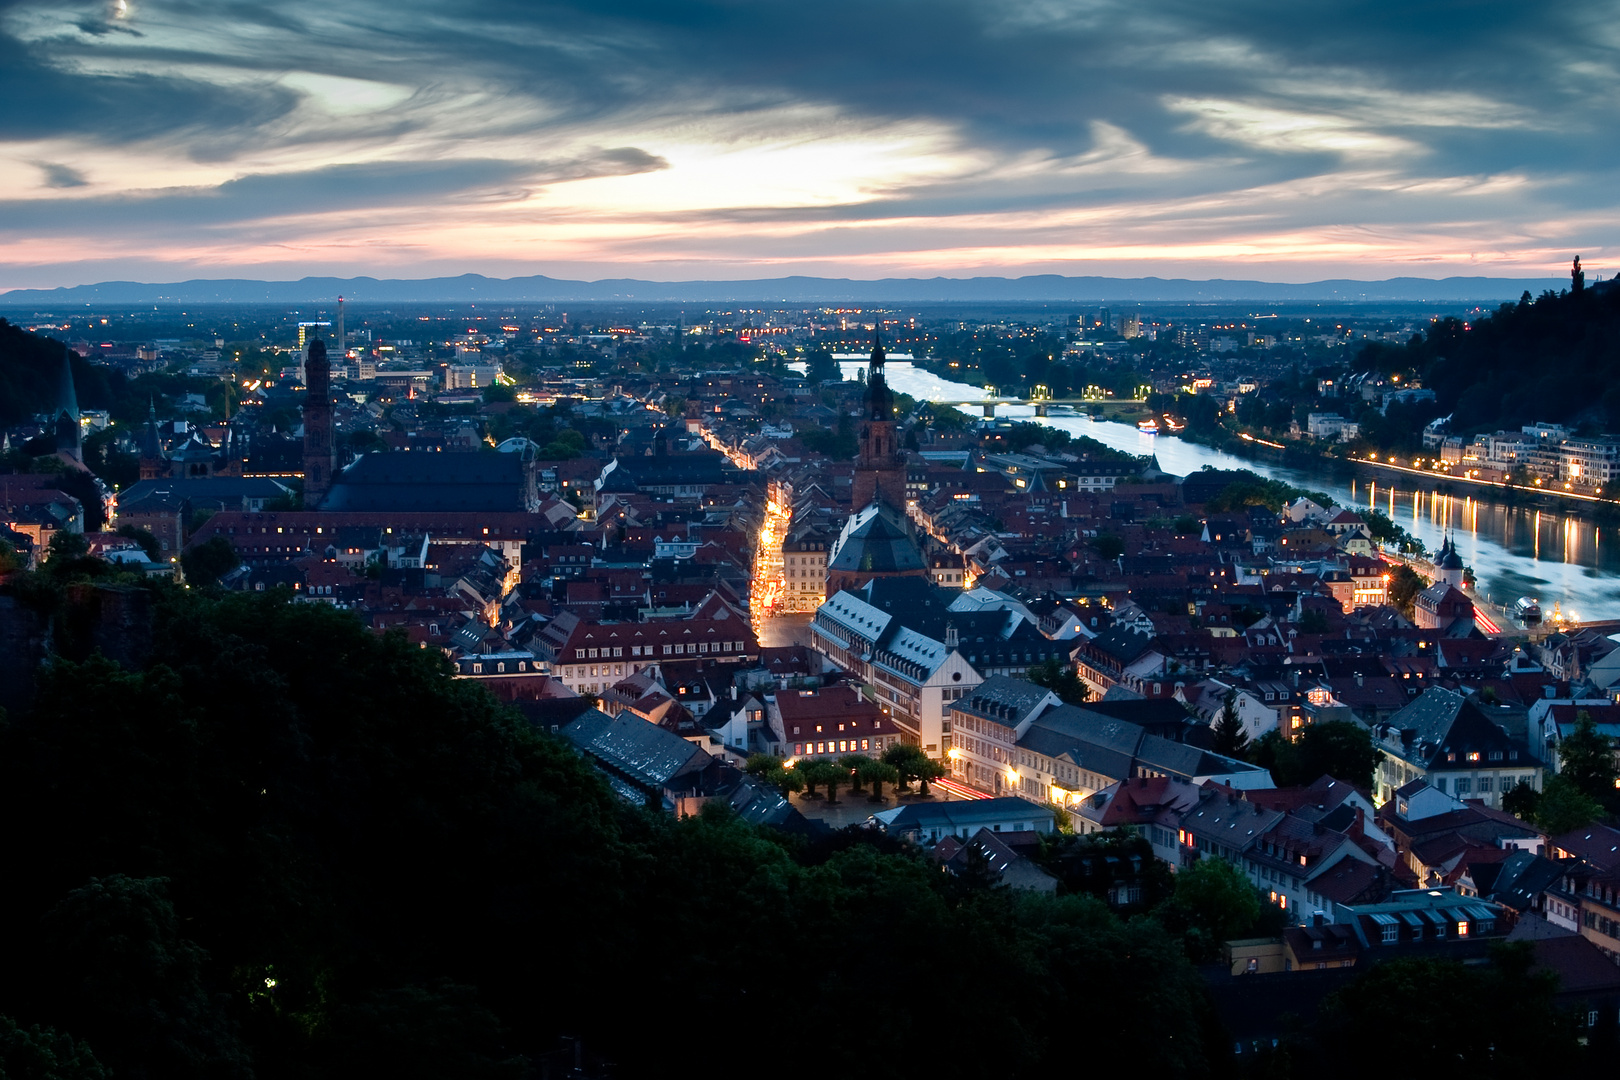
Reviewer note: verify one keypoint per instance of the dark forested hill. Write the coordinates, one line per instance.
(280, 845)
(287, 847)
(1553, 358)
(31, 374)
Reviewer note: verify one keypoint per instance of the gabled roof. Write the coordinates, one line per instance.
(643, 752)
(1598, 845)
(971, 813)
(1521, 878)
(879, 545)
(1004, 700)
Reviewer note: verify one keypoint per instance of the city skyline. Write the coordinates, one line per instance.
(163, 141)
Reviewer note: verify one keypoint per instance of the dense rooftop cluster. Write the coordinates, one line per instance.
(727, 592)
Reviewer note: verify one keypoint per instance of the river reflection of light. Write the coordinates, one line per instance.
(1502, 543)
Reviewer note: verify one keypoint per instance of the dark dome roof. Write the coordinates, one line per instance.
(879, 545)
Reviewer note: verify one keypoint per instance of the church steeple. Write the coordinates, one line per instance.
(69, 437)
(320, 462)
(153, 465)
(880, 472)
(879, 400)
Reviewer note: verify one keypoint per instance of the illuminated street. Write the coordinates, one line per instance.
(768, 583)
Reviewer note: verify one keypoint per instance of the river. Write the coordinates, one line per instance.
(1513, 551)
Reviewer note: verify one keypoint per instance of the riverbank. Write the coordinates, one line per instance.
(1514, 548)
(1296, 456)
(1591, 507)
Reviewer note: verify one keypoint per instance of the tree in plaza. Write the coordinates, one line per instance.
(1230, 738)
(836, 776)
(785, 780)
(1587, 759)
(913, 764)
(761, 764)
(813, 773)
(852, 766)
(774, 771)
(877, 773)
(1060, 679)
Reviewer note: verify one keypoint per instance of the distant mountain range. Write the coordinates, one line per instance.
(1044, 288)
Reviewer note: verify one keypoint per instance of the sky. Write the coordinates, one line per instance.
(1286, 140)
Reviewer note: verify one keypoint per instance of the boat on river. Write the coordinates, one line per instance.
(1149, 426)
(1527, 611)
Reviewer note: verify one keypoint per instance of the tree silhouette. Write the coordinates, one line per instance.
(1230, 738)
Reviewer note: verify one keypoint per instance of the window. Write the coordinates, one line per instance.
(1465, 786)
(1392, 934)
(1484, 785)
(1462, 928)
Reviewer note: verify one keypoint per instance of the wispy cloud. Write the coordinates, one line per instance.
(713, 138)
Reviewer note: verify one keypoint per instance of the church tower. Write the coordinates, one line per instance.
(878, 540)
(880, 471)
(154, 466)
(319, 460)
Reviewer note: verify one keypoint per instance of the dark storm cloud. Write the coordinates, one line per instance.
(317, 191)
(44, 97)
(1006, 75)
(1245, 117)
(1037, 74)
(62, 176)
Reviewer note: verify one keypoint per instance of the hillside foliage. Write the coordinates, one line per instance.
(1553, 358)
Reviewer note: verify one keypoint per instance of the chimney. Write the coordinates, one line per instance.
(1358, 678)
(1317, 920)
